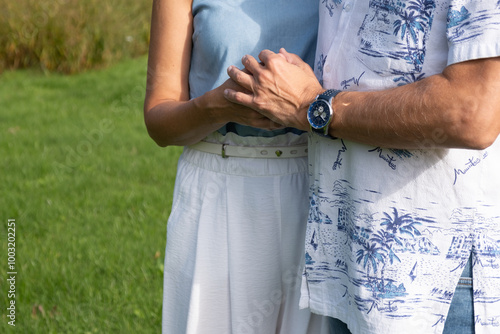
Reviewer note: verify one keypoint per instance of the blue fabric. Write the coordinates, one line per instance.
(247, 27)
(460, 319)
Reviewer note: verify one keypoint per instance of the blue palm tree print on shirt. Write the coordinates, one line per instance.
(408, 22)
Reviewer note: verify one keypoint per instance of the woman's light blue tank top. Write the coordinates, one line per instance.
(226, 30)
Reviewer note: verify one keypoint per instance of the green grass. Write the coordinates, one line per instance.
(90, 193)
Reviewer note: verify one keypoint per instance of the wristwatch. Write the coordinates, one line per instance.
(320, 112)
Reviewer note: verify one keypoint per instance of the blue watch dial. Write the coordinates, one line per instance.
(319, 114)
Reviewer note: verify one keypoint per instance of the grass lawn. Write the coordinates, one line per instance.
(90, 193)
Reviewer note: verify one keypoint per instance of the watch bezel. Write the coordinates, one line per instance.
(312, 119)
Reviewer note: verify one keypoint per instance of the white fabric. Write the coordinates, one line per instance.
(235, 247)
(390, 230)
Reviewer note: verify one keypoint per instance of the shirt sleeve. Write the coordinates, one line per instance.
(473, 30)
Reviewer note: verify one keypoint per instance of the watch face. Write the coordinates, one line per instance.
(319, 114)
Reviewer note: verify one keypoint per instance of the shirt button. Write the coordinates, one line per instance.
(347, 7)
(327, 68)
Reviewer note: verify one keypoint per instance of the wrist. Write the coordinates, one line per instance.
(312, 94)
(210, 108)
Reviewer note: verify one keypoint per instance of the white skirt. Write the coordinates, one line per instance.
(235, 244)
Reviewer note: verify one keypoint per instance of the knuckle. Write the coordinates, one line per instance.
(274, 60)
(265, 76)
(238, 76)
(237, 97)
(257, 102)
(232, 96)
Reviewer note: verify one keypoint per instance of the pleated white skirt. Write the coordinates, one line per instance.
(235, 245)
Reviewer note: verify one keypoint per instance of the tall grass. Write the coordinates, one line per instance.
(69, 36)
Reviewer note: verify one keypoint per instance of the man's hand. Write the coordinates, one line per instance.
(280, 87)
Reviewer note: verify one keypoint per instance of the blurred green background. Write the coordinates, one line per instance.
(89, 191)
(72, 35)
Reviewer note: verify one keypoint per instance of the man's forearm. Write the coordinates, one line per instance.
(458, 108)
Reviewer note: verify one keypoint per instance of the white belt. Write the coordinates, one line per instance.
(267, 152)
